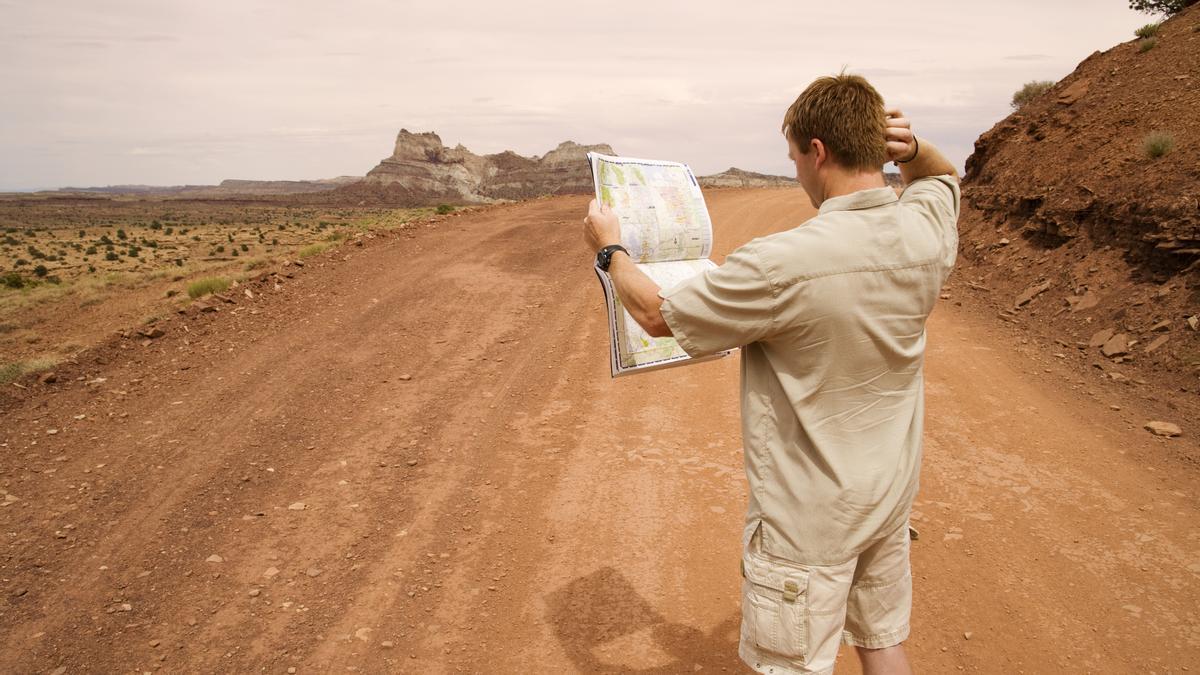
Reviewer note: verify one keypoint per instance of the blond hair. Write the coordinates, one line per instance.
(846, 114)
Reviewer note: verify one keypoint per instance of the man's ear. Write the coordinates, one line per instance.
(816, 146)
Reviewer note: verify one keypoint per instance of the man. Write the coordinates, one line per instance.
(831, 320)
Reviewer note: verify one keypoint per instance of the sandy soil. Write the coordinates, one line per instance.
(410, 458)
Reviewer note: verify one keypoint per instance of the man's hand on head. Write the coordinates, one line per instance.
(601, 227)
(901, 142)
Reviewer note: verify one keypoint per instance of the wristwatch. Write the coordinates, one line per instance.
(604, 255)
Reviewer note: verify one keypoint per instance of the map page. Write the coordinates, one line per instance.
(662, 211)
(666, 228)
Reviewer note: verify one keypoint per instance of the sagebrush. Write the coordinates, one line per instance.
(1030, 91)
(1158, 144)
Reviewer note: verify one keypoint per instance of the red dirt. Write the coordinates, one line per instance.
(479, 496)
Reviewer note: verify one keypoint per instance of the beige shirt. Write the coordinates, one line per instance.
(831, 319)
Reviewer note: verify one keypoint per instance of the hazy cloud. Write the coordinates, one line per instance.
(140, 91)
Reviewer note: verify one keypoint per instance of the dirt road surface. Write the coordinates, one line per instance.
(410, 458)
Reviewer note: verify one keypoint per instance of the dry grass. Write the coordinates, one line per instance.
(1157, 144)
(207, 285)
(311, 250)
(16, 369)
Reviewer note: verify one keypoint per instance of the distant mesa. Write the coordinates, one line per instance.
(737, 178)
(229, 188)
(421, 170)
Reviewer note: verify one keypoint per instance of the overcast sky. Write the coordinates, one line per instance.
(99, 92)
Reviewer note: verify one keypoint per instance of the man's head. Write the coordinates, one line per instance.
(835, 132)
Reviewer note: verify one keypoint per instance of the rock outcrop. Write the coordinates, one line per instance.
(737, 178)
(421, 170)
(1088, 198)
(1078, 161)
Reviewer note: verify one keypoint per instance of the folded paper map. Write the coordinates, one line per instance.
(667, 230)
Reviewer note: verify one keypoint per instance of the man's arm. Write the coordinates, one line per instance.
(916, 157)
(638, 292)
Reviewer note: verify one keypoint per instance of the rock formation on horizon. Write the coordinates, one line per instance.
(422, 170)
(734, 177)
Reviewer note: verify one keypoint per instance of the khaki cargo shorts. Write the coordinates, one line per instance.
(794, 616)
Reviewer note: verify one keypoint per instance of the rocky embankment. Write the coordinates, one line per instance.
(1081, 215)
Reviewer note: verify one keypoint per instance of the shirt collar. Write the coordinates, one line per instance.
(863, 199)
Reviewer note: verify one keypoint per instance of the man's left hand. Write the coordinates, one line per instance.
(601, 227)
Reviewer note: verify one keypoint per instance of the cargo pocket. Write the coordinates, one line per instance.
(775, 605)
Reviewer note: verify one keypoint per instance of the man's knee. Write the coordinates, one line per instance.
(884, 660)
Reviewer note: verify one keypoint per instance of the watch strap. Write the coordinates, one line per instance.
(604, 257)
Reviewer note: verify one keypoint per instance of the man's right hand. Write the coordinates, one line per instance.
(897, 132)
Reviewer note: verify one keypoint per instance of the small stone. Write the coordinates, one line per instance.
(214, 558)
(1163, 428)
(155, 643)
(254, 592)
(271, 572)
(297, 506)
(292, 669)
(1114, 407)
(406, 377)
(1100, 337)
(411, 462)
(387, 644)
(1083, 302)
(313, 572)
(126, 607)
(1193, 322)
(51, 432)
(967, 635)
(1003, 241)
(1161, 326)
(1117, 345)
(1157, 342)
(1030, 293)
(248, 294)
(48, 378)
(153, 332)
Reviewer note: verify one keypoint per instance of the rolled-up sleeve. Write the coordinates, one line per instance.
(938, 196)
(726, 307)
(937, 199)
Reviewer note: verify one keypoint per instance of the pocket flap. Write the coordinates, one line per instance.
(788, 579)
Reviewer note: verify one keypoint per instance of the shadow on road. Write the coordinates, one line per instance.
(606, 627)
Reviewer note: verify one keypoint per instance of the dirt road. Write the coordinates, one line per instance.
(410, 458)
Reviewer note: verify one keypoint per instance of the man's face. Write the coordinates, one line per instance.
(806, 171)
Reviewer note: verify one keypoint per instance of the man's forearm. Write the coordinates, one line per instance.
(639, 294)
(929, 161)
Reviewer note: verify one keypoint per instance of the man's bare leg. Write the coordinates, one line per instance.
(887, 661)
